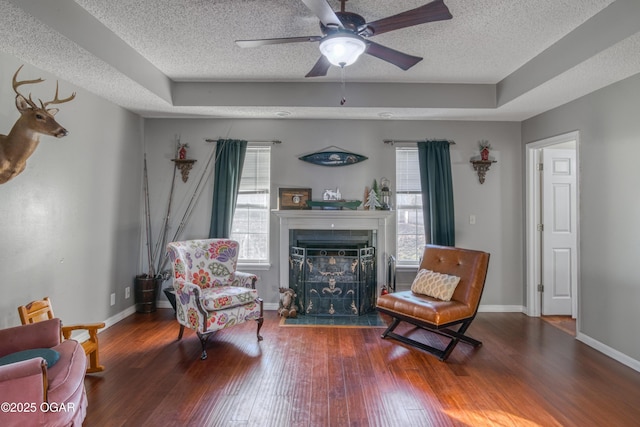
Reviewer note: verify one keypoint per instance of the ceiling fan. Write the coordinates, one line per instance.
(346, 35)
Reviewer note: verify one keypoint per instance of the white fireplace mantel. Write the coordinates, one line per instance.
(312, 219)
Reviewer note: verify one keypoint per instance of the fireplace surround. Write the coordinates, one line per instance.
(360, 223)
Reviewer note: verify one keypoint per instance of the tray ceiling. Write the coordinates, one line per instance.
(495, 60)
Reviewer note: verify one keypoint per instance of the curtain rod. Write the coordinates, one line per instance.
(273, 141)
(408, 141)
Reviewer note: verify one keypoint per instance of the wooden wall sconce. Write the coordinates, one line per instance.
(481, 167)
(185, 166)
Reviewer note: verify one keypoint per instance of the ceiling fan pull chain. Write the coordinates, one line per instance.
(344, 87)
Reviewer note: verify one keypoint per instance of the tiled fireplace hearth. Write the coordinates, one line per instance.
(340, 253)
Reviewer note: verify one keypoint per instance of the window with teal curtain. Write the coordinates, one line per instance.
(230, 155)
(437, 192)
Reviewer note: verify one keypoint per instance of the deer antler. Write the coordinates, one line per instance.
(56, 100)
(17, 84)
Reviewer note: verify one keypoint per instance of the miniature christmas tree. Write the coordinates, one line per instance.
(375, 188)
(372, 201)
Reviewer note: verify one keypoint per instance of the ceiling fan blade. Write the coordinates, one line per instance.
(264, 42)
(392, 56)
(321, 67)
(434, 11)
(323, 11)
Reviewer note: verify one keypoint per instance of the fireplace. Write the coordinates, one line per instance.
(361, 237)
(333, 272)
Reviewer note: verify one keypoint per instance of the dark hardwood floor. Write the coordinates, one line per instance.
(527, 373)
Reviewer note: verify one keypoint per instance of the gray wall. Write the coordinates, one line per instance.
(72, 222)
(497, 204)
(70, 225)
(609, 146)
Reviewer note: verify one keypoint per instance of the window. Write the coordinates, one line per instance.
(410, 236)
(251, 219)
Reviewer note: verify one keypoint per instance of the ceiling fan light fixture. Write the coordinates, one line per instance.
(342, 49)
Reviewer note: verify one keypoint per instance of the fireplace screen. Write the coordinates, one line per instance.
(332, 281)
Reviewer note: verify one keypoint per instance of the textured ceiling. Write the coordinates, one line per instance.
(145, 54)
(194, 40)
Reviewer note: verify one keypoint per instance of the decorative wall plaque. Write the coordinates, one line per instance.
(294, 198)
(337, 157)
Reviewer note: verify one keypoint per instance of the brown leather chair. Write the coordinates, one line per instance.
(39, 310)
(436, 315)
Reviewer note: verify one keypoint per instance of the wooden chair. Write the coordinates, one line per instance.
(39, 310)
(436, 315)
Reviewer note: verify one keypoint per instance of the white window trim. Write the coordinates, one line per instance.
(254, 266)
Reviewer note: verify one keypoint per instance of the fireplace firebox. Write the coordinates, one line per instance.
(335, 277)
(333, 281)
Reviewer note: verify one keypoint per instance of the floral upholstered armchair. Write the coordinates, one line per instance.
(210, 293)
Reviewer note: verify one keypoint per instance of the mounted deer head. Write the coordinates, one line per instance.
(24, 137)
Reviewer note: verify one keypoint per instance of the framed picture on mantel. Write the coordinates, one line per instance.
(293, 198)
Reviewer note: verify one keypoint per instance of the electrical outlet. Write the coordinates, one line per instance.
(472, 219)
(113, 299)
(127, 292)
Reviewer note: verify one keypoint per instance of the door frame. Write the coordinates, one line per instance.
(533, 241)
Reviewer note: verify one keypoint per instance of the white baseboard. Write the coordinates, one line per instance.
(163, 304)
(84, 335)
(608, 351)
(271, 305)
(501, 309)
(119, 316)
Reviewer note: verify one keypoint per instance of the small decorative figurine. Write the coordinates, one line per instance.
(332, 194)
(287, 307)
(385, 194)
(372, 201)
(182, 151)
(484, 149)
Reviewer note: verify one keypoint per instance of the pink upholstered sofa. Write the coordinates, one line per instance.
(33, 394)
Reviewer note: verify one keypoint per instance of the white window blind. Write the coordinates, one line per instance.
(410, 232)
(251, 218)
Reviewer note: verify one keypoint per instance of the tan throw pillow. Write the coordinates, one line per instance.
(436, 285)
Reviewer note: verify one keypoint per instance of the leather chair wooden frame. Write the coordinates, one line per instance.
(450, 319)
(39, 310)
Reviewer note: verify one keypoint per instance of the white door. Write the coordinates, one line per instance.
(559, 235)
